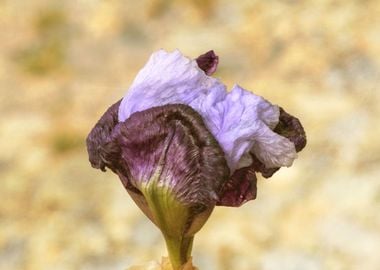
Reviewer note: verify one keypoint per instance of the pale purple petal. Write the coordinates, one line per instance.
(167, 78)
(243, 121)
(240, 120)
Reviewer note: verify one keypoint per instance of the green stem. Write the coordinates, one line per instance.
(179, 250)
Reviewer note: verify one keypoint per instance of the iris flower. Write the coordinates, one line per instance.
(181, 144)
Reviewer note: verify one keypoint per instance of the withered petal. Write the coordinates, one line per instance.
(289, 127)
(240, 188)
(172, 144)
(258, 166)
(99, 150)
(208, 62)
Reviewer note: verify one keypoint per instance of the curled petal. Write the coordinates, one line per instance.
(208, 62)
(258, 166)
(240, 188)
(272, 149)
(172, 144)
(100, 155)
(176, 166)
(168, 161)
(167, 78)
(241, 121)
(289, 127)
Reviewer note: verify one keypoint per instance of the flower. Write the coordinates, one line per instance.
(182, 144)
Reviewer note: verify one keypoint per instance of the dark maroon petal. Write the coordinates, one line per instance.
(240, 188)
(258, 166)
(99, 152)
(289, 127)
(208, 62)
(172, 144)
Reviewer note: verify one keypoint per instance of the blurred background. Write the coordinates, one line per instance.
(64, 62)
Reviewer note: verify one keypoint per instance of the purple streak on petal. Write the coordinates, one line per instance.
(208, 62)
(104, 151)
(240, 188)
(172, 142)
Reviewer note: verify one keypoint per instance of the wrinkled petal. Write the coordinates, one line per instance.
(272, 149)
(258, 166)
(241, 121)
(99, 137)
(255, 135)
(289, 127)
(170, 141)
(208, 62)
(167, 78)
(169, 162)
(173, 143)
(240, 188)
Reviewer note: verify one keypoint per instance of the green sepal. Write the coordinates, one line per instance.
(173, 219)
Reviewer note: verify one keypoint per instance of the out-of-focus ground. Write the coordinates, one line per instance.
(64, 62)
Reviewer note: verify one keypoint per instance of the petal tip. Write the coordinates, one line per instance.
(208, 62)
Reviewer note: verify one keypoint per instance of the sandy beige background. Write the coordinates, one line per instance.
(64, 62)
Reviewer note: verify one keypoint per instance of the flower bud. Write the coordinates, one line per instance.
(182, 144)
